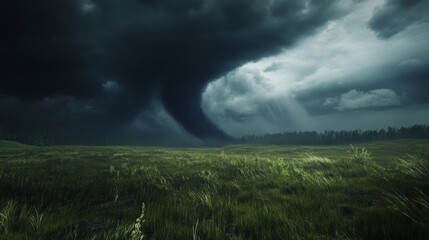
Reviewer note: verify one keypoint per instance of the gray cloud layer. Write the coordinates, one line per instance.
(355, 99)
(143, 69)
(318, 83)
(397, 15)
(95, 65)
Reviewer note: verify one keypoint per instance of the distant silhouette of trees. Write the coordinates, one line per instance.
(331, 137)
(38, 136)
(44, 137)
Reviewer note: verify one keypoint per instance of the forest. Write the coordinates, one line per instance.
(331, 137)
(45, 137)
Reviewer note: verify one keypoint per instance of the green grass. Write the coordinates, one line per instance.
(374, 191)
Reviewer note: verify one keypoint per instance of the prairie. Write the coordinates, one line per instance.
(378, 190)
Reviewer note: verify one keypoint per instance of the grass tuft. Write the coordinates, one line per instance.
(136, 232)
(359, 155)
(6, 216)
(36, 220)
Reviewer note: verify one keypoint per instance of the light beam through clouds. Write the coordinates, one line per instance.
(207, 69)
(340, 77)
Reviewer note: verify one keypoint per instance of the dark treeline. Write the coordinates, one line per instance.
(44, 137)
(338, 137)
(37, 136)
(49, 137)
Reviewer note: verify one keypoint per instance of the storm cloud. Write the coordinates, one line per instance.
(344, 76)
(147, 70)
(355, 99)
(96, 65)
(397, 15)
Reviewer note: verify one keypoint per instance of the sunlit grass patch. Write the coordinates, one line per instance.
(413, 166)
(359, 155)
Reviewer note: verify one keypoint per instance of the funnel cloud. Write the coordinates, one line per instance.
(109, 58)
(105, 68)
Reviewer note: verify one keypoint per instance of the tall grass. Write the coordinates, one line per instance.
(413, 166)
(6, 216)
(36, 220)
(137, 233)
(236, 192)
(415, 207)
(411, 202)
(359, 155)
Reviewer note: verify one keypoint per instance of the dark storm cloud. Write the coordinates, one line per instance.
(396, 15)
(113, 56)
(40, 51)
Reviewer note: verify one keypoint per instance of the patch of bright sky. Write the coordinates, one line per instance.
(87, 6)
(327, 56)
(343, 51)
(344, 48)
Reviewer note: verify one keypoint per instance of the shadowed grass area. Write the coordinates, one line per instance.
(376, 191)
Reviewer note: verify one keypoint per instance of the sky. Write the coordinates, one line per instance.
(189, 71)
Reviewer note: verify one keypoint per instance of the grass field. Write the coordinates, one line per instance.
(373, 191)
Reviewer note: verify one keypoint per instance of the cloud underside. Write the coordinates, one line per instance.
(345, 69)
(355, 99)
(111, 58)
(211, 68)
(394, 16)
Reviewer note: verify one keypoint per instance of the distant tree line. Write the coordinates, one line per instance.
(331, 137)
(45, 137)
(37, 136)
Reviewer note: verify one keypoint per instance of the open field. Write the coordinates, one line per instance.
(380, 191)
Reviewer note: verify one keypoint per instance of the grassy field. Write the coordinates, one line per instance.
(374, 191)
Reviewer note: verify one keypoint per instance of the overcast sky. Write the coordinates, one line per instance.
(368, 69)
(183, 70)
